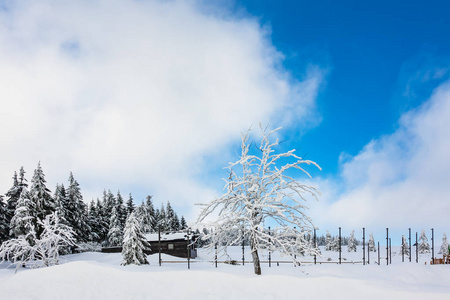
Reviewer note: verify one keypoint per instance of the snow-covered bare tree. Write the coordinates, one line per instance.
(372, 243)
(55, 237)
(352, 242)
(40, 252)
(261, 192)
(444, 247)
(134, 243)
(424, 247)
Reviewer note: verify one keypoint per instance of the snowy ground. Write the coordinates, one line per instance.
(100, 276)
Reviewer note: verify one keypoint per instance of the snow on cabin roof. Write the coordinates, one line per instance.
(151, 237)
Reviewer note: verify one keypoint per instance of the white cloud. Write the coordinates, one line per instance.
(399, 180)
(135, 93)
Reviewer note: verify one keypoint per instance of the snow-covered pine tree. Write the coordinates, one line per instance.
(424, 247)
(351, 243)
(134, 243)
(108, 203)
(13, 194)
(62, 204)
(335, 244)
(152, 213)
(94, 220)
(130, 205)
(405, 247)
(176, 226)
(372, 243)
(24, 219)
(183, 224)
(78, 217)
(328, 242)
(40, 196)
(260, 193)
(115, 233)
(104, 218)
(144, 217)
(162, 220)
(121, 209)
(4, 224)
(172, 219)
(444, 246)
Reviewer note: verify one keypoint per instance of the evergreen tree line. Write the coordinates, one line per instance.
(322, 240)
(25, 205)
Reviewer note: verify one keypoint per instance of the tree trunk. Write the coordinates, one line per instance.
(256, 263)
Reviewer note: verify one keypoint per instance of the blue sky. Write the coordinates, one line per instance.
(371, 50)
(150, 97)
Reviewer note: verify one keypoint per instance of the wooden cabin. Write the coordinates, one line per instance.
(175, 244)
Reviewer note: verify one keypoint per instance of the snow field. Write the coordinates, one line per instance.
(100, 276)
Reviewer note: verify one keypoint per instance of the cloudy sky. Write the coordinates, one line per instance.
(150, 97)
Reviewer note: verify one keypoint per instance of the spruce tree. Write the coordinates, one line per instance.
(352, 242)
(115, 233)
(424, 247)
(121, 210)
(104, 219)
(4, 224)
(130, 205)
(328, 242)
(62, 204)
(372, 243)
(144, 217)
(134, 243)
(183, 224)
(108, 203)
(78, 217)
(94, 220)
(175, 226)
(444, 246)
(405, 247)
(40, 196)
(170, 216)
(13, 194)
(24, 220)
(162, 221)
(152, 213)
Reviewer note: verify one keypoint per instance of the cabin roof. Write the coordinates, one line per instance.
(153, 237)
